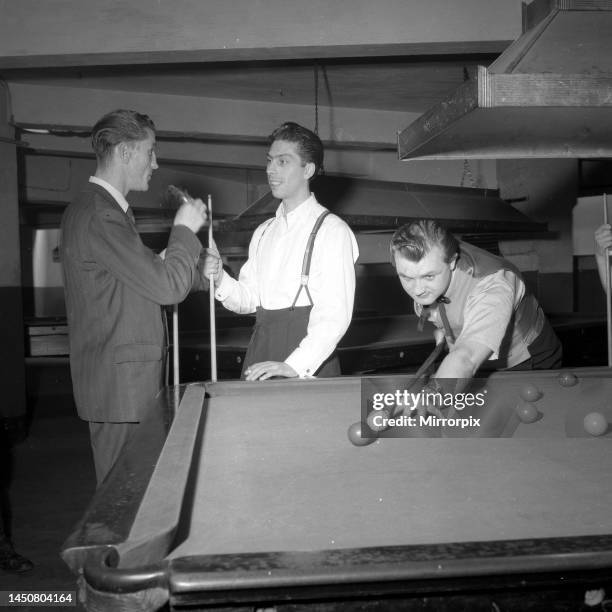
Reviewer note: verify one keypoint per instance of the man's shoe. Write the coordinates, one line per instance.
(11, 561)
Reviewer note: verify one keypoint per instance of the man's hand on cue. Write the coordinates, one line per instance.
(603, 238)
(192, 213)
(424, 408)
(213, 264)
(429, 405)
(268, 369)
(439, 335)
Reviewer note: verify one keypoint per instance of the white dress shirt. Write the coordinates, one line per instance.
(271, 278)
(117, 195)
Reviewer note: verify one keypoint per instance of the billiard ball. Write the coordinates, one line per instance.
(526, 412)
(372, 420)
(354, 435)
(567, 379)
(595, 424)
(531, 393)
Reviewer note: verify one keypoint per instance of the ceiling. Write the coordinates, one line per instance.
(404, 84)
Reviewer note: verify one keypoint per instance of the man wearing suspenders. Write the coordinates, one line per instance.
(300, 274)
(477, 300)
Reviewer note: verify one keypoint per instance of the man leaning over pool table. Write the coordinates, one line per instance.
(476, 300)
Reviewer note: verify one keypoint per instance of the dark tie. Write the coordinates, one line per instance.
(439, 304)
(130, 213)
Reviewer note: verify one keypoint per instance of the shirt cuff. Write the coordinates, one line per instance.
(303, 369)
(222, 290)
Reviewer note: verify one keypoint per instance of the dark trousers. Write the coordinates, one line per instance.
(107, 440)
(546, 352)
(6, 463)
(277, 333)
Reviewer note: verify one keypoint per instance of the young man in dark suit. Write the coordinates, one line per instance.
(115, 285)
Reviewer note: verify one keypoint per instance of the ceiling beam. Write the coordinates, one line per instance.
(233, 133)
(79, 108)
(265, 54)
(383, 166)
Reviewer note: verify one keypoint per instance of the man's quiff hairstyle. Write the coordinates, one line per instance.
(116, 127)
(414, 240)
(309, 145)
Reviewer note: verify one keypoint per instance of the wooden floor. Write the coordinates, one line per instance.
(52, 483)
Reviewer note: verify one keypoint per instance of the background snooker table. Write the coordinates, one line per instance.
(256, 497)
(372, 343)
(375, 344)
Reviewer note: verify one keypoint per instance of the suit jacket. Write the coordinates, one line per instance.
(114, 287)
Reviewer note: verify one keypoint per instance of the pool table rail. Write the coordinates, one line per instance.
(107, 523)
(118, 559)
(409, 571)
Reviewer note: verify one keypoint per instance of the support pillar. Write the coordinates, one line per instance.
(12, 364)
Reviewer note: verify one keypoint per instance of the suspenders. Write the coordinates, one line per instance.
(307, 255)
(308, 258)
(439, 304)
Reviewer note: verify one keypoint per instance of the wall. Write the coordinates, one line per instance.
(549, 189)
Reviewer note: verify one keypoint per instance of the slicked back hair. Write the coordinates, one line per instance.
(414, 240)
(309, 145)
(118, 126)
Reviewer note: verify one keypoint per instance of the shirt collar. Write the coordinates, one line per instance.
(445, 298)
(298, 214)
(117, 195)
(452, 286)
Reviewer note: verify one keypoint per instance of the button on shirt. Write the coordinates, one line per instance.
(271, 278)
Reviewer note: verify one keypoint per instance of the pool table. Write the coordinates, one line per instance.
(241, 495)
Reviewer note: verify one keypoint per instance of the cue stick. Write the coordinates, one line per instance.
(429, 361)
(175, 355)
(175, 346)
(211, 296)
(608, 296)
(174, 193)
(425, 367)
